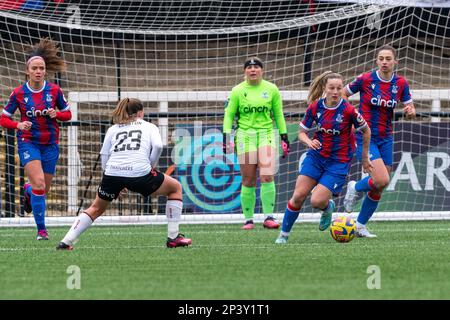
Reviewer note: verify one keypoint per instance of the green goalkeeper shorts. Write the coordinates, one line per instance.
(249, 140)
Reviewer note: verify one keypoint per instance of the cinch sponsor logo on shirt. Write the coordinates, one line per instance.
(255, 109)
(378, 101)
(36, 113)
(334, 132)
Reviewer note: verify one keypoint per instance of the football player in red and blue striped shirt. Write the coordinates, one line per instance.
(327, 163)
(41, 105)
(380, 91)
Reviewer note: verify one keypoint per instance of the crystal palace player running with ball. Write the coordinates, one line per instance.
(41, 104)
(327, 162)
(130, 153)
(380, 92)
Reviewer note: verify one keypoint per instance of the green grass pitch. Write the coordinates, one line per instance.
(131, 262)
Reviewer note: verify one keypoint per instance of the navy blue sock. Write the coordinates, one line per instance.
(28, 190)
(38, 206)
(368, 207)
(290, 215)
(363, 185)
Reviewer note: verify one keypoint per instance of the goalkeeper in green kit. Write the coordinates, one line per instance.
(256, 103)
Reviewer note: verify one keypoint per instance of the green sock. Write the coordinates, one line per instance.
(268, 197)
(248, 199)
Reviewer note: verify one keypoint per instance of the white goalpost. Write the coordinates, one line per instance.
(181, 58)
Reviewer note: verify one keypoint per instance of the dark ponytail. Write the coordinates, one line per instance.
(48, 50)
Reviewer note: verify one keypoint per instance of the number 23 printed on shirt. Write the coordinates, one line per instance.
(135, 140)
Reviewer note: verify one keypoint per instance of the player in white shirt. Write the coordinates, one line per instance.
(130, 151)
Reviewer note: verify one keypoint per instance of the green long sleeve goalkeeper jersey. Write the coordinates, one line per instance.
(254, 106)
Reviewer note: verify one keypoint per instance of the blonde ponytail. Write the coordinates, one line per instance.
(126, 110)
(318, 85)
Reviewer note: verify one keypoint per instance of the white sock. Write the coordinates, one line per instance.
(284, 234)
(173, 214)
(359, 225)
(82, 222)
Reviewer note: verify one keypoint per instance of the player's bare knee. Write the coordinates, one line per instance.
(177, 186)
(177, 191)
(298, 199)
(319, 203)
(171, 188)
(39, 185)
(382, 183)
(266, 179)
(249, 181)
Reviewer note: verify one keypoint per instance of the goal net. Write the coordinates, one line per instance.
(181, 58)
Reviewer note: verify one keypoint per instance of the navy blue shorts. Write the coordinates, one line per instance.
(48, 155)
(329, 173)
(378, 149)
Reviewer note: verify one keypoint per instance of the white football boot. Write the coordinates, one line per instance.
(282, 239)
(350, 196)
(362, 232)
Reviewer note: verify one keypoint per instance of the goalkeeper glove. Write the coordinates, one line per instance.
(285, 144)
(227, 144)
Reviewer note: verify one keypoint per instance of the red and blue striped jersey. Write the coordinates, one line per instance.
(33, 106)
(333, 128)
(378, 98)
